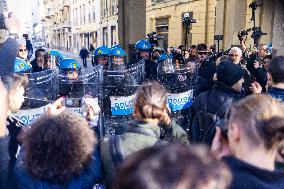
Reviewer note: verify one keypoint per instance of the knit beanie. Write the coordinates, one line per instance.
(229, 73)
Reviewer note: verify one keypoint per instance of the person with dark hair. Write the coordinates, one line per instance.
(266, 61)
(150, 115)
(29, 46)
(59, 151)
(84, 53)
(38, 63)
(14, 125)
(255, 133)
(215, 102)
(207, 68)
(192, 51)
(92, 49)
(276, 78)
(172, 166)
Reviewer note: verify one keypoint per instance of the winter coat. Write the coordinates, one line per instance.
(246, 176)
(138, 136)
(87, 179)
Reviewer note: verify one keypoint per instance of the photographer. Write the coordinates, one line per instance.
(249, 145)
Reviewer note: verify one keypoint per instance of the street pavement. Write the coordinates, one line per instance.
(68, 54)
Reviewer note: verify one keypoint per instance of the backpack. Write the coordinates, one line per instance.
(204, 123)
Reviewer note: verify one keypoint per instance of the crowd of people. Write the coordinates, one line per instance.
(230, 137)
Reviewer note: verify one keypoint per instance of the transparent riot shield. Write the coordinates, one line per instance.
(181, 83)
(40, 91)
(74, 85)
(118, 89)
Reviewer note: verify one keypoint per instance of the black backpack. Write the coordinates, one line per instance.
(204, 123)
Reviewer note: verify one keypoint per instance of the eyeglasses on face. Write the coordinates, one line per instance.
(23, 50)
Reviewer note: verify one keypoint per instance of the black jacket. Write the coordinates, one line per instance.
(206, 72)
(216, 97)
(276, 93)
(246, 176)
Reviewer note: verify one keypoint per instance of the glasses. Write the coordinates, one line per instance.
(23, 50)
(202, 53)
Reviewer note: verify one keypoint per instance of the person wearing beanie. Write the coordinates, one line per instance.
(226, 90)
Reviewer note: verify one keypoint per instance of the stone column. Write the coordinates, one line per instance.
(131, 22)
(278, 29)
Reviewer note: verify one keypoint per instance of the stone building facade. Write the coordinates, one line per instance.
(165, 17)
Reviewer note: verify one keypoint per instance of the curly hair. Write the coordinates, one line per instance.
(151, 102)
(58, 147)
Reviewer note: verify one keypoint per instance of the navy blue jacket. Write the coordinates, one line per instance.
(246, 176)
(87, 178)
(276, 93)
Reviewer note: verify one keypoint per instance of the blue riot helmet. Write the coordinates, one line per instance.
(165, 64)
(143, 48)
(101, 55)
(117, 56)
(163, 57)
(70, 67)
(21, 66)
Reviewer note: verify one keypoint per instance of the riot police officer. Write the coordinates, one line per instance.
(101, 55)
(143, 52)
(70, 84)
(21, 66)
(117, 82)
(117, 59)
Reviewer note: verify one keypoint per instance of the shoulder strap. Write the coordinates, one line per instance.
(222, 109)
(143, 131)
(206, 101)
(115, 150)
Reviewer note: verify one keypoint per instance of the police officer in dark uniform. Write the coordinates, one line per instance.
(117, 82)
(143, 52)
(69, 79)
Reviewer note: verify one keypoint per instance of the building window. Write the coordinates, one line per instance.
(89, 12)
(94, 13)
(84, 13)
(162, 28)
(113, 36)
(105, 36)
(80, 15)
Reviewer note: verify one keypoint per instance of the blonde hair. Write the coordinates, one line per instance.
(261, 118)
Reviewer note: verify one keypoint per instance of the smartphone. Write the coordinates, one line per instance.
(72, 102)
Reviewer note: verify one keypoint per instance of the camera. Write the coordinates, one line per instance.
(253, 5)
(257, 33)
(223, 125)
(218, 37)
(153, 38)
(72, 102)
(186, 20)
(243, 33)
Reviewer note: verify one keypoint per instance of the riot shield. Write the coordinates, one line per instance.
(40, 91)
(181, 82)
(118, 89)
